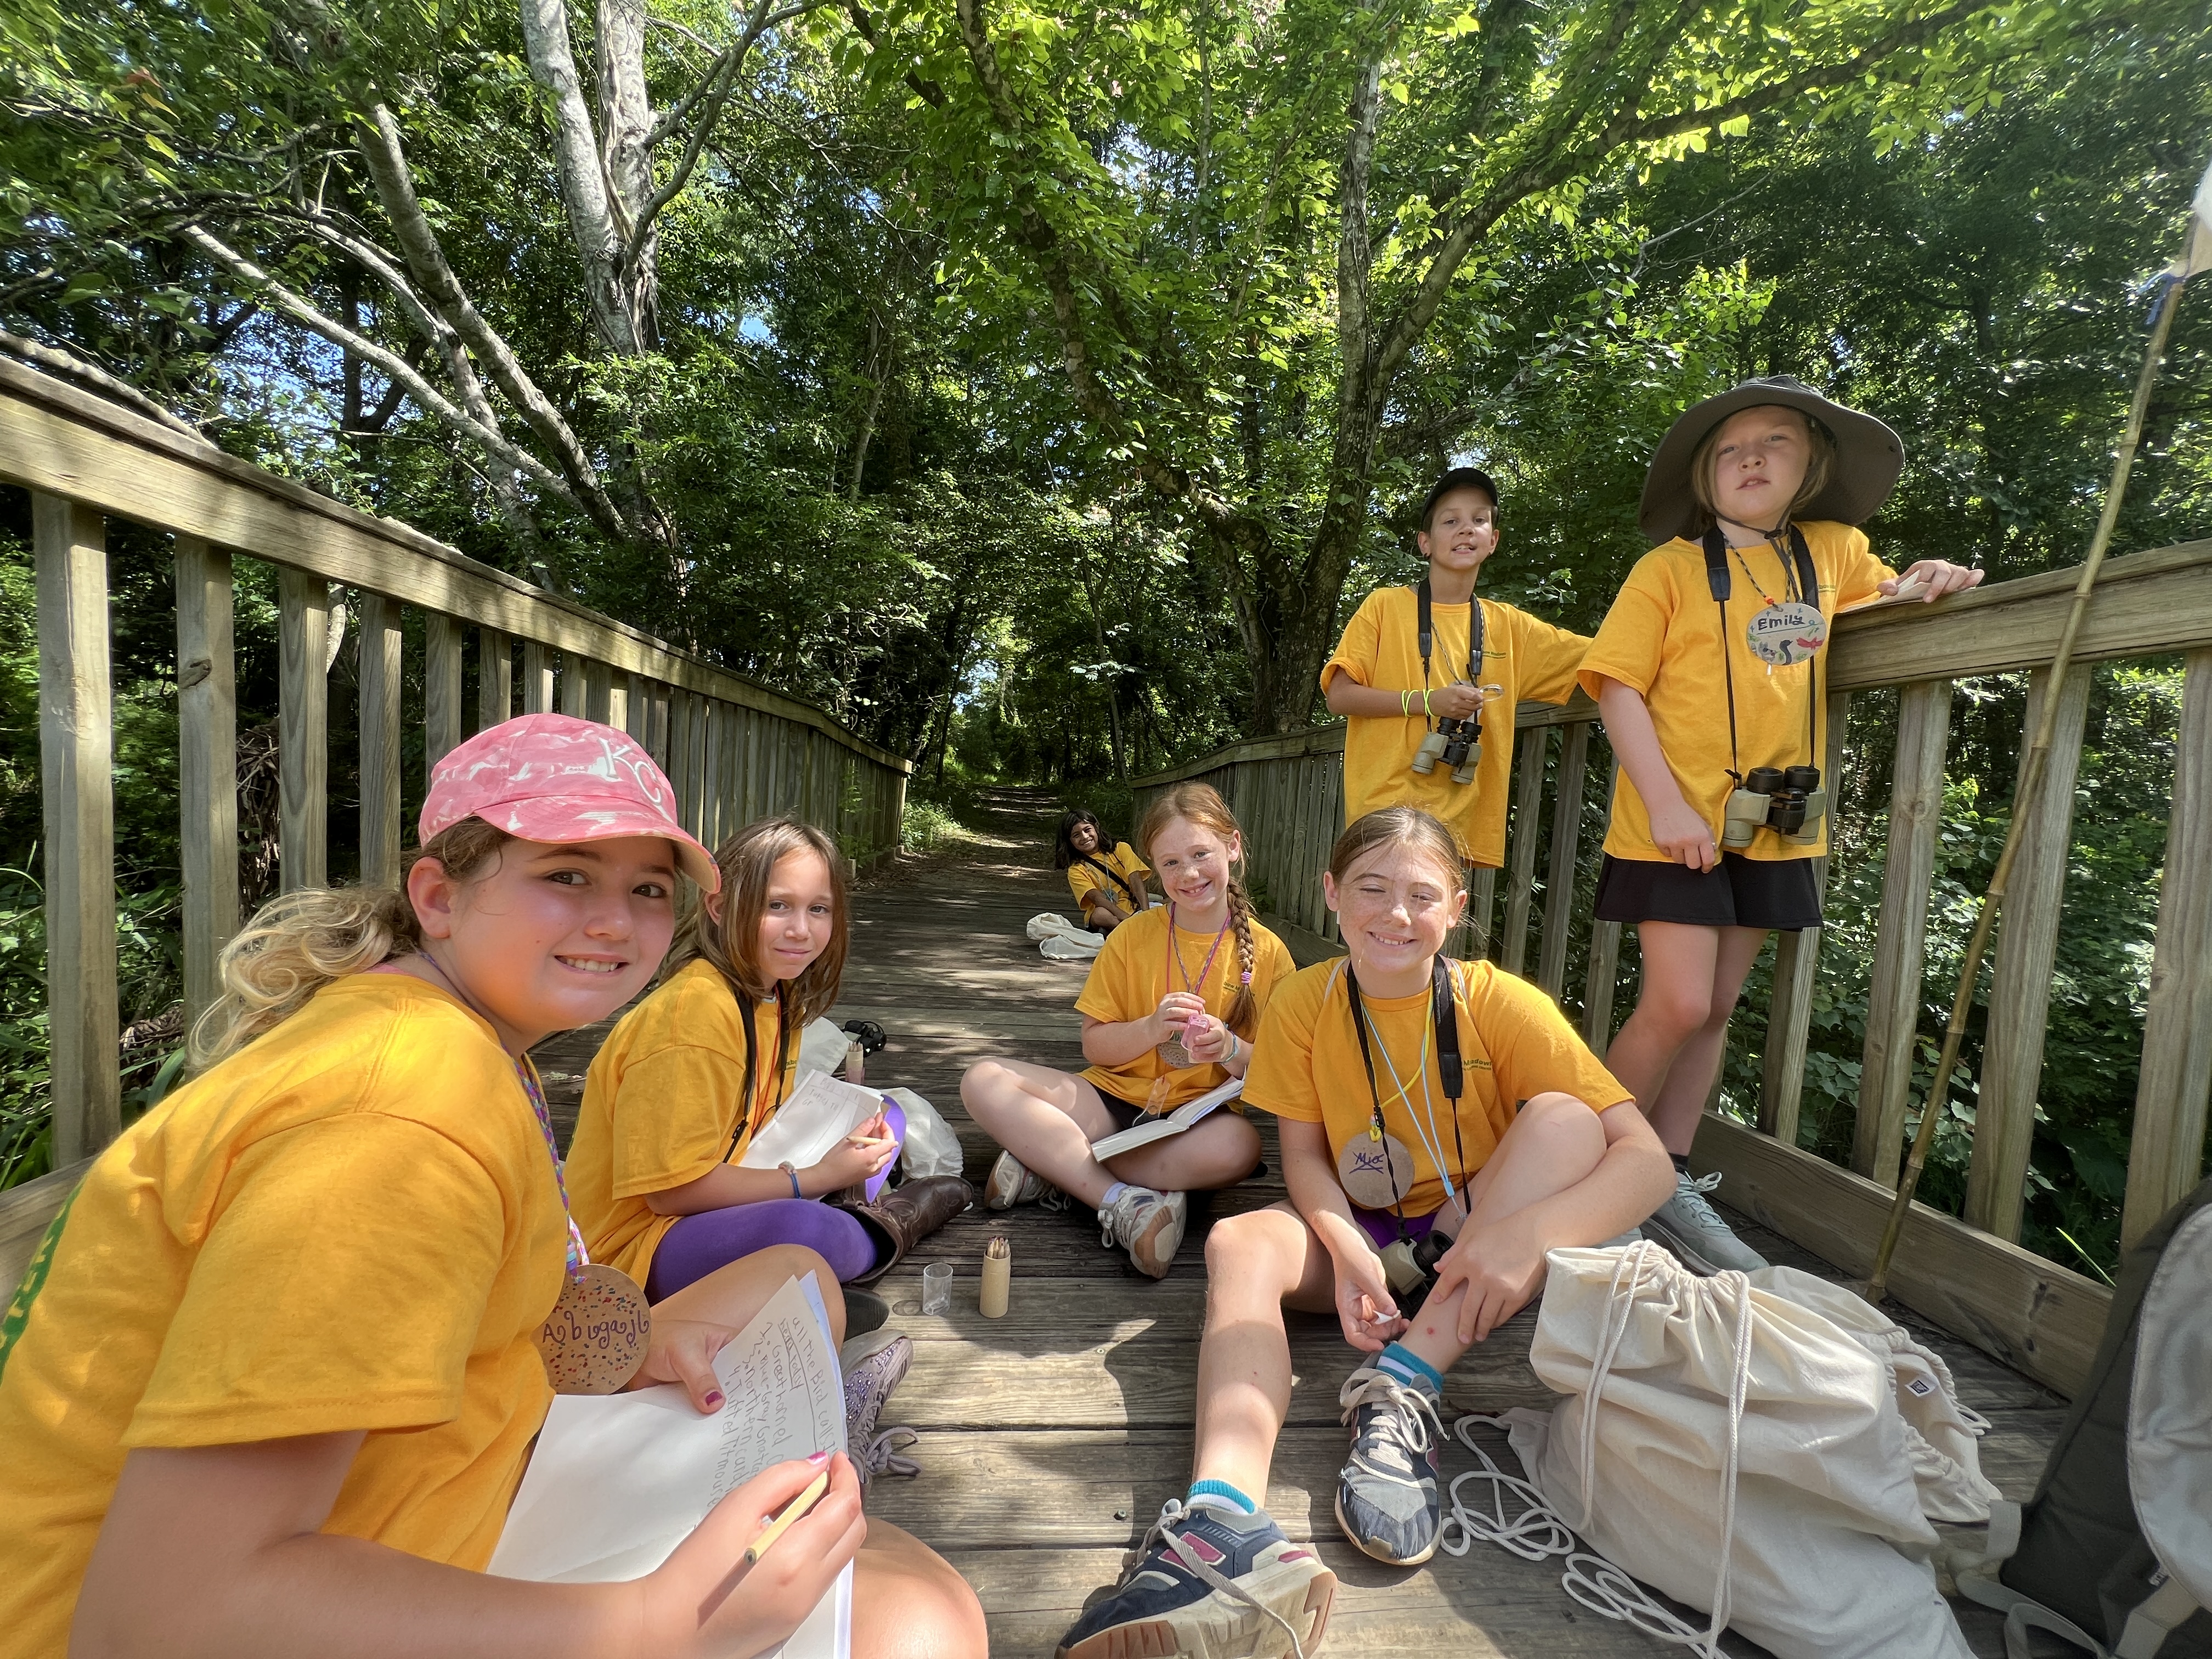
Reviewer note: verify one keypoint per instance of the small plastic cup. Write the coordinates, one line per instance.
(937, 1288)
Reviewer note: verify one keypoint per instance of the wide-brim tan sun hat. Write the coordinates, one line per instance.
(1868, 457)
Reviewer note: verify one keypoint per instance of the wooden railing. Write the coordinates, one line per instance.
(1972, 1276)
(733, 749)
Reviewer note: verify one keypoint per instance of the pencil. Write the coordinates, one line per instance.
(791, 1512)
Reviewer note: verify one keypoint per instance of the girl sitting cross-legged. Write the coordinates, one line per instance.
(1167, 1013)
(1395, 1074)
(1108, 887)
(271, 1381)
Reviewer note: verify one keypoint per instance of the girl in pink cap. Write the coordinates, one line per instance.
(271, 1380)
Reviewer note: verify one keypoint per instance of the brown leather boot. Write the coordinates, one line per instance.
(903, 1216)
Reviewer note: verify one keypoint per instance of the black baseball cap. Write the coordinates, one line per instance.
(1458, 478)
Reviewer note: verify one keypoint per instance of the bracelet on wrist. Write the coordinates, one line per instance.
(793, 1175)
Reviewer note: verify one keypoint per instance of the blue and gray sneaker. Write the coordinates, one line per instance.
(1388, 1500)
(1215, 1585)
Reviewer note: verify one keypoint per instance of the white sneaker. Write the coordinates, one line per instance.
(1013, 1182)
(1686, 1224)
(1146, 1223)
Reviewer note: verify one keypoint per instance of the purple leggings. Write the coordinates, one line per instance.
(698, 1244)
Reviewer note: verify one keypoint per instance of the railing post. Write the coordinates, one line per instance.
(1796, 968)
(494, 678)
(382, 668)
(442, 689)
(598, 692)
(2166, 1152)
(1527, 804)
(679, 752)
(537, 678)
(618, 700)
(715, 719)
(1481, 911)
(575, 693)
(207, 764)
(76, 774)
(1916, 813)
(303, 760)
(1566, 836)
(2026, 948)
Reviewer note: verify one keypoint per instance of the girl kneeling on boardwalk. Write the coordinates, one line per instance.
(271, 1380)
(1394, 1075)
(1156, 1034)
(692, 1074)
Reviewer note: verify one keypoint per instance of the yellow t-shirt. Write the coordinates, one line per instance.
(351, 1224)
(1661, 637)
(1132, 974)
(661, 1104)
(1513, 1045)
(1529, 659)
(1083, 879)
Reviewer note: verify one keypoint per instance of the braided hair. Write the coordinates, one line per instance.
(1201, 803)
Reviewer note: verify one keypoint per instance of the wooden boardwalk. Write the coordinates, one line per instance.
(1051, 1437)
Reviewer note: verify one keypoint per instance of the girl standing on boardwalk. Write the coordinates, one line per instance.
(271, 1383)
(1169, 1013)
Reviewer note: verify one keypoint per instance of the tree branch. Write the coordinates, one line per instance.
(390, 364)
(69, 366)
(583, 182)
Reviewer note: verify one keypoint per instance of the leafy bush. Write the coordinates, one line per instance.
(927, 827)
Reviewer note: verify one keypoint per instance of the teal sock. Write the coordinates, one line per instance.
(1410, 1369)
(1221, 1494)
(1113, 1193)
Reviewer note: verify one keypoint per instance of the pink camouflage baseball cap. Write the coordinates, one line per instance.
(556, 778)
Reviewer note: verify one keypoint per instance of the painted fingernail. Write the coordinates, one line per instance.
(818, 1457)
(713, 1398)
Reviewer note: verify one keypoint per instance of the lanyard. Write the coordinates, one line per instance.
(1174, 950)
(1110, 872)
(748, 1006)
(1444, 1026)
(1424, 625)
(1798, 567)
(528, 1074)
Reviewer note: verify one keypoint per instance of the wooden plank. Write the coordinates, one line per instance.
(1796, 968)
(303, 760)
(576, 692)
(26, 1212)
(1597, 985)
(381, 669)
(598, 692)
(2166, 1152)
(537, 679)
(76, 728)
(2031, 1313)
(679, 747)
(494, 678)
(1520, 884)
(1916, 813)
(637, 706)
(207, 766)
(710, 772)
(1482, 912)
(1566, 840)
(618, 701)
(55, 438)
(659, 740)
(441, 690)
(2026, 950)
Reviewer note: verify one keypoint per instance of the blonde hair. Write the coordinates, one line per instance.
(299, 943)
(1201, 803)
(747, 860)
(1399, 826)
(1819, 461)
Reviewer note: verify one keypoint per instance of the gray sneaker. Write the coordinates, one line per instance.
(874, 1365)
(1147, 1225)
(1388, 1497)
(1686, 1224)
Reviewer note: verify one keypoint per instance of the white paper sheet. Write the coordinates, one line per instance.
(618, 1481)
(821, 1112)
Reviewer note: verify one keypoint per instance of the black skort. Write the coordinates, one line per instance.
(1780, 894)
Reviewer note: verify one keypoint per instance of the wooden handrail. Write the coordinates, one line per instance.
(1288, 791)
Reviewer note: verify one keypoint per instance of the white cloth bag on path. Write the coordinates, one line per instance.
(1060, 939)
(1736, 1450)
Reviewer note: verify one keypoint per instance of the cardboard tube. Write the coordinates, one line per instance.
(998, 1275)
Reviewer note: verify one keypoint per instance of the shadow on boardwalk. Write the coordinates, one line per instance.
(1051, 1437)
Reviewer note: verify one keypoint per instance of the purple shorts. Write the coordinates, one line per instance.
(1381, 1226)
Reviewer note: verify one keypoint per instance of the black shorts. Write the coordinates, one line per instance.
(1125, 1113)
(1776, 893)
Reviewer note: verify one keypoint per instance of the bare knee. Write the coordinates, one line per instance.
(1572, 1137)
(1678, 1008)
(1247, 1252)
(911, 1604)
(985, 1084)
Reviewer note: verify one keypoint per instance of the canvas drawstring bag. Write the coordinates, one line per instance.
(1736, 1450)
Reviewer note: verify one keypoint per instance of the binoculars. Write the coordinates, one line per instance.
(1409, 1265)
(1457, 744)
(1788, 800)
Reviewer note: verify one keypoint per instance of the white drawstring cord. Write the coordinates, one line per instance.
(1538, 1531)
